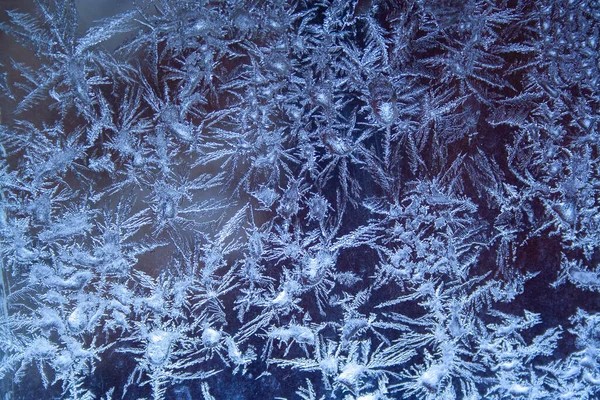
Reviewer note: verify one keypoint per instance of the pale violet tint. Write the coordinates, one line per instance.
(332, 199)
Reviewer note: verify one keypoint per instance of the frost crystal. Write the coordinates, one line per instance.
(333, 199)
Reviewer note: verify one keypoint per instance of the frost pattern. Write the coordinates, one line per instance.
(364, 199)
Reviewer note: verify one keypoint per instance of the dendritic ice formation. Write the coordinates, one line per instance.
(303, 199)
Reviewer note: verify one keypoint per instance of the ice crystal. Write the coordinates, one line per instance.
(365, 199)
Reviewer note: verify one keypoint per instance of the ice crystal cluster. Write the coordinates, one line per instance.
(300, 199)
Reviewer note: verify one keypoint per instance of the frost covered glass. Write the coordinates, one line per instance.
(300, 199)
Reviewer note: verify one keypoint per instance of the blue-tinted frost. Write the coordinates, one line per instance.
(367, 199)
